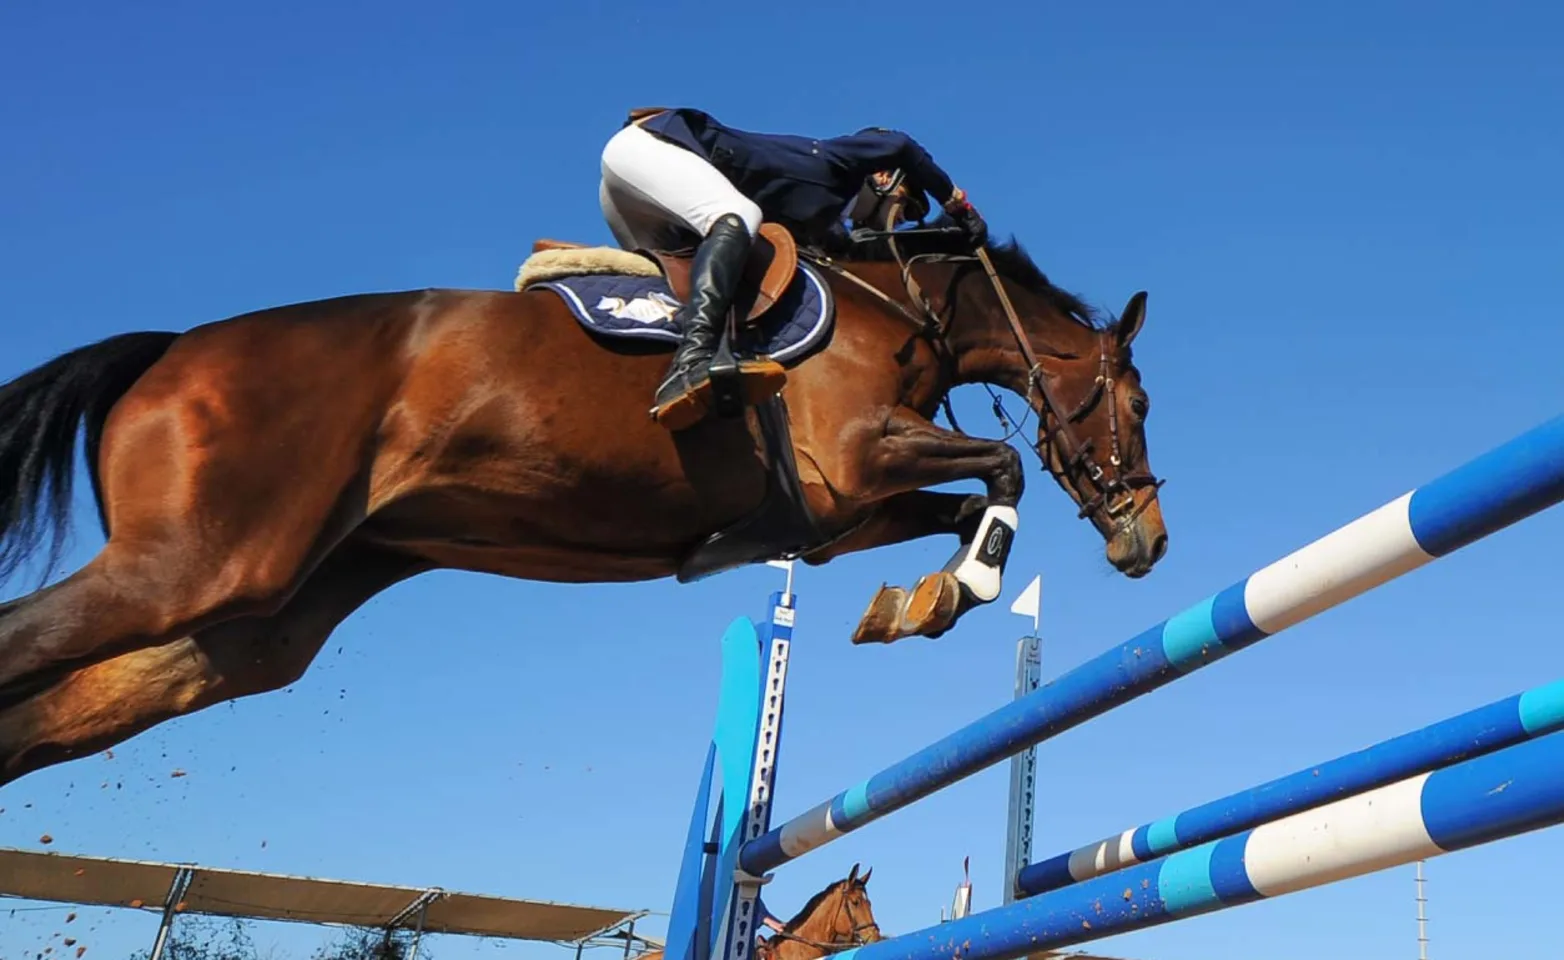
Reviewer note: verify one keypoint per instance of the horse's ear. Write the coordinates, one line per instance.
(1132, 319)
(853, 875)
(863, 881)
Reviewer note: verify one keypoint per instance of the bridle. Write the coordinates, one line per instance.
(839, 941)
(1111, 497)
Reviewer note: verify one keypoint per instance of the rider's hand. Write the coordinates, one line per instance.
(967, 218)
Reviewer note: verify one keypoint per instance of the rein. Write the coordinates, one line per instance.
(1113, 495)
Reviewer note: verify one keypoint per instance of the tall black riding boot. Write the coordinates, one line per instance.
(684, 395)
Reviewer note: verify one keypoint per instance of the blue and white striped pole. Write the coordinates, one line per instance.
(1525, 716)
(1489, 493)
(1502, 794)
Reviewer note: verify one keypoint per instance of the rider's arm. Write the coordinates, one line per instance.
(876, 149)
(873, 150)
(766, 918)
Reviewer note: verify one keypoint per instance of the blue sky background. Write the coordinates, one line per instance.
(1346, 215)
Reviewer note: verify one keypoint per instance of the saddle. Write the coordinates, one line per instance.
(783, 525)
(773, 260)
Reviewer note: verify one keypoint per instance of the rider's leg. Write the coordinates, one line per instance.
(681, 398)
(657, 185)
(618, 222)
(646, 180)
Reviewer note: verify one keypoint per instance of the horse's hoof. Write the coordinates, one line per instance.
(881, 622)
(933, 606)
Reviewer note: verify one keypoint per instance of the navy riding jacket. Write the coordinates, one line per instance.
(801, 183)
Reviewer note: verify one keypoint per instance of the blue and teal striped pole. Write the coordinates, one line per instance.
(1525, 716)
(1502, 794)
(1489, 493)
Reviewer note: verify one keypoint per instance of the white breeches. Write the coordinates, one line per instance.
(655, 193)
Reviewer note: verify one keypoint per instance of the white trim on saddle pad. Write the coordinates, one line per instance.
(583, 261)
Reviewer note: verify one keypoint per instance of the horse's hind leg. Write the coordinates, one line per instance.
(100, 705)
(137, 594)
(220, 500)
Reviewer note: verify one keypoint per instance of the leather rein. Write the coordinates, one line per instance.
(1114, 495)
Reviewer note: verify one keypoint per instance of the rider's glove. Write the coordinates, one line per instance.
(966, 216)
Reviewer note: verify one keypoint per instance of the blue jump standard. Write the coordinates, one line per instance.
(1487, 494)
(1503, 794)
(1506, 722)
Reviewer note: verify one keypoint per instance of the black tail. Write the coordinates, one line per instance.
(40, 413)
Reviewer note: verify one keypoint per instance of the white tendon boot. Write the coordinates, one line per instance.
(979, 566)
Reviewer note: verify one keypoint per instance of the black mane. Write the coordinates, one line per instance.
(1010, 259)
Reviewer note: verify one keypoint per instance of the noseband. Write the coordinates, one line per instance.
(1112, 497)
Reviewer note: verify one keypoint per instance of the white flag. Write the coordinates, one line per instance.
(1029, 603)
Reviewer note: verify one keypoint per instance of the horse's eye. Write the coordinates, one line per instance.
(1140, 406)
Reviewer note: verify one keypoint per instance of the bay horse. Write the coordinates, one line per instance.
(835, 919)
(260, 477)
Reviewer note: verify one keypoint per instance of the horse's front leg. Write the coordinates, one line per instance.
(913, 453)
(907, 516)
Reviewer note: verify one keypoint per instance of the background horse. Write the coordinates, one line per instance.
(835, 919)
(261, 477)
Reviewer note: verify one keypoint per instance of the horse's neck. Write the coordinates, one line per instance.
(978, 331)
(987, 347)
(885, 279)
(815, 928)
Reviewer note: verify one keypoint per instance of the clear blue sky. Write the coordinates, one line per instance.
(1346, 215)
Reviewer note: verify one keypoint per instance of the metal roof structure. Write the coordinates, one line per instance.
(173, 889)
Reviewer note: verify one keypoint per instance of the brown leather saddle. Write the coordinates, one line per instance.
(782, 525)
(773, 261)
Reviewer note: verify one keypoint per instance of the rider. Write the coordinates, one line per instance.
(675, 175)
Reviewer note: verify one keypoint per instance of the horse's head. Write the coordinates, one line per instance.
(1091, 434)
(854, 923)
(841, 916)
(1010, 326)
(996, 318)
(835, 919)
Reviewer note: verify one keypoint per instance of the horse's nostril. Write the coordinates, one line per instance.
(1159, 547)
